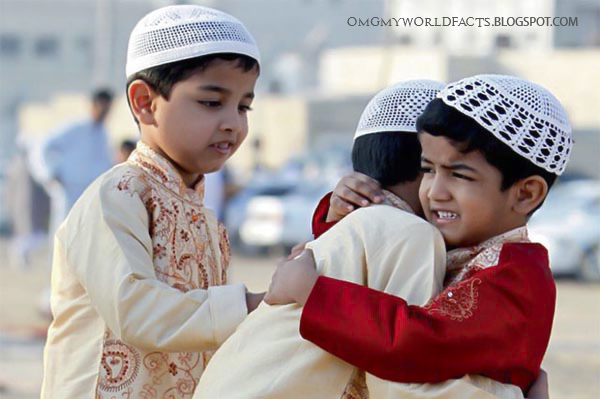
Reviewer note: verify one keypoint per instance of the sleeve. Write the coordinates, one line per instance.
(110, 252)
(496, 323)
(45, 159)
(319, 221)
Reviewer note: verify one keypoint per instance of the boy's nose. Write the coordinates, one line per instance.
(232, 121)
(438, 190)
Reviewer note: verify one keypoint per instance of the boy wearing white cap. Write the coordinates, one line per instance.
(411, 264)
(492, 147)
(138, 284)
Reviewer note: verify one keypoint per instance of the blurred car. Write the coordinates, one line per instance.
(275, 209)
(568, 225)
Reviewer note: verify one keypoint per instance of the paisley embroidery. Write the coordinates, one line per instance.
(457, 302)
(190, 250)
(357, 386)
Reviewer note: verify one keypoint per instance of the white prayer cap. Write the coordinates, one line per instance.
(181, 32)
(396, 108)
(525, 116)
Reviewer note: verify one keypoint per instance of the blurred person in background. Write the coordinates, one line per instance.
(72, 157)
(29, 207)
(125, 149)
(68, 161)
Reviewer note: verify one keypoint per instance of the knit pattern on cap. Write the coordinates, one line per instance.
(525, 116)
(396, 108)
(176, 33)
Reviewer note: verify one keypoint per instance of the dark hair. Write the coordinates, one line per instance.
(127, 145)
(102, 95)
(440, 119)
(388, 157)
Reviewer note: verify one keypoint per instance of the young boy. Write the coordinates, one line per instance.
(411, 264)
(492, 147)
(138, 284)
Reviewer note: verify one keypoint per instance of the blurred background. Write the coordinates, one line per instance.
(317, 74)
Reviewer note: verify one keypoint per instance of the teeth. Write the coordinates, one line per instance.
(447, 215)
(223, 146)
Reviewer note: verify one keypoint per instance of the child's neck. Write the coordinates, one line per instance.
(189, 179)
(409, 192)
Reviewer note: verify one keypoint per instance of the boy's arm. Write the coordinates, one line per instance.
(112, 254)
(496, 324)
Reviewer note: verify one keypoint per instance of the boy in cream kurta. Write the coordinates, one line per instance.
(138, 284)
(385, 246)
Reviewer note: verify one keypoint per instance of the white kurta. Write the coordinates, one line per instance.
(381, 246)
(137, 287)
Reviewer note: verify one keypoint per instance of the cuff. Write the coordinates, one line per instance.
(228, 309)
(319, 223)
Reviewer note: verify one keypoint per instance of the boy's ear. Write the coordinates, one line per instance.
(529, 193)
(141, 97)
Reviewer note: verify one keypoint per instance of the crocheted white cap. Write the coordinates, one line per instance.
(180, 32)
(396, 108)
(525, 116)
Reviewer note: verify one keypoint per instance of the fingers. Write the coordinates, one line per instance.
(351, 195)
(296, 251)
(357, 188)
(340, 207)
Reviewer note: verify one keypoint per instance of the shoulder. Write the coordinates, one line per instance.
(124, 179)
(532, 257)
(527, 267)
(118, 186)
(388, 222)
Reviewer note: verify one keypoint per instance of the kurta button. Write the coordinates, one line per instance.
(450, 294)
(195, 218)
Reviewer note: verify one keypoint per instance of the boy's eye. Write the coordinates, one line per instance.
(461, 176)
(426, 169)
(244, 108)
(210, 103)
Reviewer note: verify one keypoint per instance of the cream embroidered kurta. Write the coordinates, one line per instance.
(267, 358)
(138, 293)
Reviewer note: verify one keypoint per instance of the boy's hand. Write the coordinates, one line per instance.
(293, 281)
(353, 190)
(253, 300)
(539, 389)
(297, 250)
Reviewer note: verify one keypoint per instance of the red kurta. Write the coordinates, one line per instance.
(494, 321)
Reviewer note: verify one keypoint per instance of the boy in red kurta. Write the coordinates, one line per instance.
(492, 146)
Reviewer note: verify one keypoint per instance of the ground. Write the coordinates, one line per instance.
(572, 360)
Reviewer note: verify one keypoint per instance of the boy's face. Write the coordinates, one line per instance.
(205, 119)
(461, 195)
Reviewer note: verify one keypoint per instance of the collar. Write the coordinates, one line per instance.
(485, 254)
(162, 170)
(397, 202)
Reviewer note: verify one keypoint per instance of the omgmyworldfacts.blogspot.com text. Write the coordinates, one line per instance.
(479, 22)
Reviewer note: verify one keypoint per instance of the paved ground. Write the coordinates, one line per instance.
(572, 361)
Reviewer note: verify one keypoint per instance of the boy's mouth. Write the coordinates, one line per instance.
(223, 147)
(444, 216)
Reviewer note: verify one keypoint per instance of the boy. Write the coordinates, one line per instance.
(138, 284)
(412, 265)
(492, 147)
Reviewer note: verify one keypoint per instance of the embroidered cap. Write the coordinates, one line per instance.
(181, 32)
(396, 108)
(523, 115)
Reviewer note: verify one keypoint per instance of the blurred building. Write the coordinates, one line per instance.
(484, 39)
(318, 71)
